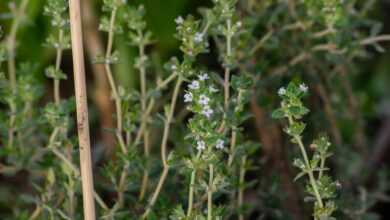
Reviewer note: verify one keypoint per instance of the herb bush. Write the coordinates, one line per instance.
(213, 125)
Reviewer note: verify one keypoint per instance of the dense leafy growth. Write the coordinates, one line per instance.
(182, 107)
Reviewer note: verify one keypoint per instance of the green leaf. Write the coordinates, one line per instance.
(53, 73)
(242, 81)
(296, 129)
(278, 114)
(298, 111)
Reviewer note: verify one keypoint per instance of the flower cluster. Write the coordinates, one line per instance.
(199, 94)
(205, 102)
(320, 186)
(202, 99)
(193, 38)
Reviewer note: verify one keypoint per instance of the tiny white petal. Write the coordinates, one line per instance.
(200, 145)
(303, 87)
(220, 144)
(239, 24)
(198, 37)
(282, 91)
(188, 97)
(203, 77)
(179, 20)
(194, 85)
(207, 111)
(204, 100)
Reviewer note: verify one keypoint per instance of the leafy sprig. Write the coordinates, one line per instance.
(320, 187)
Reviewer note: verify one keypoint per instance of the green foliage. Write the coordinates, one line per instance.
(187, 130)
(329, 12)
(321, 188)
(57, 10)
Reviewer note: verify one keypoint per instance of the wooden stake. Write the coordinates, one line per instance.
(82, 110)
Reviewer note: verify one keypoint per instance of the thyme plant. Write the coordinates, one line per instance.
(320, 187)
(188, 128)
(58, 116)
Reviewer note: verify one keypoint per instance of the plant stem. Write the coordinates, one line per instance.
(109, 71)
(322, 166)
(156, 192)
(67, 159)
(192, 187)
(150, 106)
(227, 69)
(241, 187)
(71, 203)
(166, 81)
(11, 45)
(191, 193)
(313, 183)
(122, 184)
(57, 97)
(123, 178)
(233, 140)
(70, 165)
(142, 71)
(119, 129)
(164, 142)
(210, 193)
(169, 121)
(82, 110)
(142, 128)
(36, 213)
(310, 171)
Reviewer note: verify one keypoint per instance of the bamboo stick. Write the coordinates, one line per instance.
(82, 110)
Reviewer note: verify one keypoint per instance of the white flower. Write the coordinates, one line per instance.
(188, 97)
(303, 87)
(212, 89)
(338, 184)
(220, 144)
(282, 91)
(198, 37)
(203, 77)
(179, 20)
(174, 67)
(194, 85)
(207, 111)
(204, 100)
(239, 24)
(200, 145)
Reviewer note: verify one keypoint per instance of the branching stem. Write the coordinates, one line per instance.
(168, 121)
(241, 187)
(210, 193)
(142, 71)
(310, 173)
(192, 187)
(11, 46)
